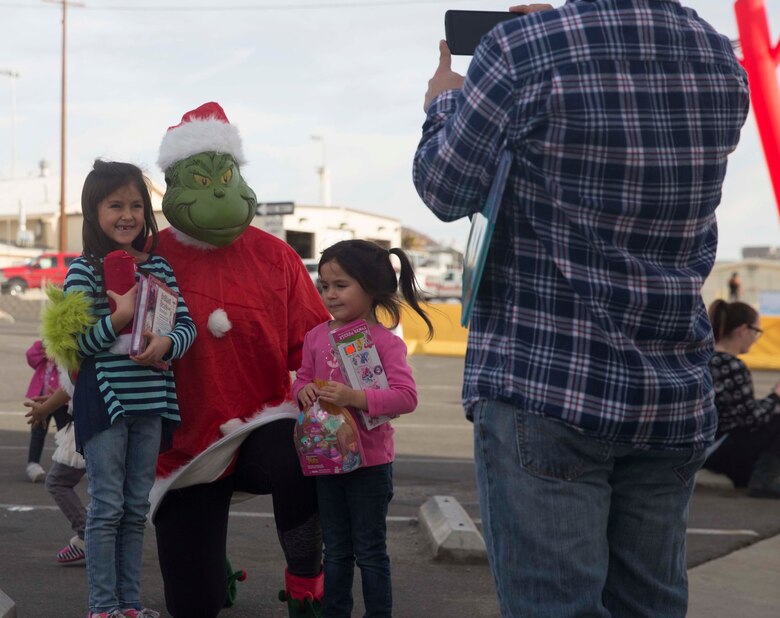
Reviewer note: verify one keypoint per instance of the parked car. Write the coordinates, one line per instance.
(46, 268)
(312, 265)
(445, 286)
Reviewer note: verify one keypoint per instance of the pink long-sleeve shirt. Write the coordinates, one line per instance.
(401, 398)
(46, 379)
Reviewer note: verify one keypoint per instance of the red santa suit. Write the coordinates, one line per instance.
(252, 303)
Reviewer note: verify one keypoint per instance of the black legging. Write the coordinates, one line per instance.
(191, 523)
(738, 454)
(38, 433)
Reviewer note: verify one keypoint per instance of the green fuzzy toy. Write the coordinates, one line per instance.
(62, 319)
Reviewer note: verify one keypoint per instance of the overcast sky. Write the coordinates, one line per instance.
(351, 71)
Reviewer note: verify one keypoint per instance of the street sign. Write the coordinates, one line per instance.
(274, 224)
(265, 209)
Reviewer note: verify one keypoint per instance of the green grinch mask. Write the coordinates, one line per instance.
(207, 199)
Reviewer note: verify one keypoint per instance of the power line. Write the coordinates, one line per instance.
(359, 4)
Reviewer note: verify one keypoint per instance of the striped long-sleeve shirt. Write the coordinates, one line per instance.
(127, 387)
(620, 115)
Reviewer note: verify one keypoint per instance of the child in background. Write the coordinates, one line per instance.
(67, 468)
(124, 408)
(357, 277)
(44, 382)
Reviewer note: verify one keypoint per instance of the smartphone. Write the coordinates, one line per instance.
(464, 29)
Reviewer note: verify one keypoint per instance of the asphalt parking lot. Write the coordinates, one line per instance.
(433, 458)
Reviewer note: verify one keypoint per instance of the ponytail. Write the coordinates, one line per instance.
(369, 264)
(410, 289)
(727, 317)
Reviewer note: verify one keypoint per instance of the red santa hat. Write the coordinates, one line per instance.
(204, 129)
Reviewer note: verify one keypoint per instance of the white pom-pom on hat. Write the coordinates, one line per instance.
(204, 129)
(218, 323)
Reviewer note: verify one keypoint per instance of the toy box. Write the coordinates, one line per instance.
(155, 311)
(360, 363)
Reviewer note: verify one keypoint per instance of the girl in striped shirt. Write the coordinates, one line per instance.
(124, 406)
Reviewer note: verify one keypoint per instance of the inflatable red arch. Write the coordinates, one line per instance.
(760, 58)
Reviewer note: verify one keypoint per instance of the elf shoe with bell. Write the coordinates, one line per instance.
(303, 595)
(232, 578)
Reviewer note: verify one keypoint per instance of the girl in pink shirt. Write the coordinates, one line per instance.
(357, 277)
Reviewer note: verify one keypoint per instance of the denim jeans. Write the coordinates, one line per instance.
(353, 512)
(120, 472)
(578, 527)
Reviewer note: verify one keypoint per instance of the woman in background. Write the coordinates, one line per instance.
(748, 447)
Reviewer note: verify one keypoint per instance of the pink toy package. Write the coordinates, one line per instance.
(327, 439)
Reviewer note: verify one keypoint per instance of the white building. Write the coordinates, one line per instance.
(310, 229)
(759, 277)
(30, 213)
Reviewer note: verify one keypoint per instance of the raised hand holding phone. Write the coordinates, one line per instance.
(524, 9)
(444, 78)
(465, 29)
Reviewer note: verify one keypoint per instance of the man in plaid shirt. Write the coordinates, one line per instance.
(586, 370)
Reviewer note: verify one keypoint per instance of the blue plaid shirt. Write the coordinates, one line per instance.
(620, 115)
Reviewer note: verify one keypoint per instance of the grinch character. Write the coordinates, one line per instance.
(252, 300)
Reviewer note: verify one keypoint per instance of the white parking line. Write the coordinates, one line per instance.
(26, 508)
(717, 532)
(419, 460)
(402, 425)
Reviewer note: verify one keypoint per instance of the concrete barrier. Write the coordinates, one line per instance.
(451, 532)
(7, 606)
(765, 353)
(449, 337)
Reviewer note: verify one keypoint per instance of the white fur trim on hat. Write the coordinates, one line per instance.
(195, 135)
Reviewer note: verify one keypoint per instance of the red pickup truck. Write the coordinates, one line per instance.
(46, 268)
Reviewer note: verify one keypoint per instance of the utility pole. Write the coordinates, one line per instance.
(324, 174)
(14, 75)
(63, 132)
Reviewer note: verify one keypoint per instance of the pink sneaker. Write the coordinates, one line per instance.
(72, 552)
(115, 614)
(140, 613)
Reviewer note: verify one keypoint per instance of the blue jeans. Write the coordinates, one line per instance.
(121, 464)
(578, 527)
(353, 512)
